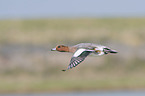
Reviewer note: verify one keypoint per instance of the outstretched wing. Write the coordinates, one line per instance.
(78, 57)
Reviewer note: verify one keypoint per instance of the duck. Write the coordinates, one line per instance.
(81, 51)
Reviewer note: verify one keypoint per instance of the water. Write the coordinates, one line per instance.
(111, 93)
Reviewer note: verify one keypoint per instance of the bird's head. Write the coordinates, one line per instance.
(61, 48)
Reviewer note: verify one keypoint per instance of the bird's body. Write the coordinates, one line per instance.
(82, 50)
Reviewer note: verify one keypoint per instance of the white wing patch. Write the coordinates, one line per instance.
(78, 52)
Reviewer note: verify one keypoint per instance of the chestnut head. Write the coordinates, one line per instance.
(61, 48)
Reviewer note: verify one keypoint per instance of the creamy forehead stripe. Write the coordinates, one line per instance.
(78, 52)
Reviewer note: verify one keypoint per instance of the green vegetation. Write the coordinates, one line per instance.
(72, 30)
(27, 65)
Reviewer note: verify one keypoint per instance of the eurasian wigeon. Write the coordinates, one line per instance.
(81, 51)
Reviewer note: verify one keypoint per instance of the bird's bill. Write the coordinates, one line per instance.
(53, 49)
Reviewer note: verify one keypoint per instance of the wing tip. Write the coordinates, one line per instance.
(63, 70)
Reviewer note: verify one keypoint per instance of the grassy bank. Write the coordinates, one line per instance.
(85, 77)
(40, 86)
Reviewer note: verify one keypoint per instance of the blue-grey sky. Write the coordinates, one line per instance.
(71, 8)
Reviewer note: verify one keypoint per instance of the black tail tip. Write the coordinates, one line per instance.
(113, 52)
(63, 70)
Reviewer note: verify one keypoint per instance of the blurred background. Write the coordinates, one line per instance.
(30, 28)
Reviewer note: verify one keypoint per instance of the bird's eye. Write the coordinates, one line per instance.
(58, 47)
